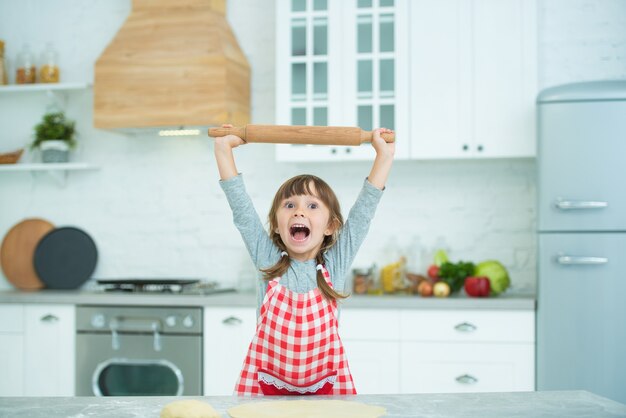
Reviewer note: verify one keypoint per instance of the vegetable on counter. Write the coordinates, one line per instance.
(477, 286)
(441, 289)
(454, 274)
(496, 273)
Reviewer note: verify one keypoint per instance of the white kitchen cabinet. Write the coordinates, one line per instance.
(371, 340)
(342, 64)
(49, 350)
(466, 367)
(467, 351)
(227, 336)
(12, 350)
(473, 78)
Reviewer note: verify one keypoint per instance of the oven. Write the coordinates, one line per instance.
(138, 351)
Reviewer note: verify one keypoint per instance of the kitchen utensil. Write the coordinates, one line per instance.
(65, 258)
(18, 248)
(318, 135)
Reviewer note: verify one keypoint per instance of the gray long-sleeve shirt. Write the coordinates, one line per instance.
(301, 276)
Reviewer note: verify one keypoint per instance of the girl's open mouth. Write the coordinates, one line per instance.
(299, 232)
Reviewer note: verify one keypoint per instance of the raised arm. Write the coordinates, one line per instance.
(384, 159)
(224, 154)
(261, 249)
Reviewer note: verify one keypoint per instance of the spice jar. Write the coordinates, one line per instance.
(26, 71)
(3, 67)
(360, 280)
(49, 65)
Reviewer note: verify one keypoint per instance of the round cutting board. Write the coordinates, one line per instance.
(65, 258)
(18, 248)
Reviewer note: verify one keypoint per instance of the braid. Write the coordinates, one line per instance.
(328, 292)
(278, 269)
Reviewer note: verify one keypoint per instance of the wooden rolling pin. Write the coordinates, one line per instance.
(285, 134)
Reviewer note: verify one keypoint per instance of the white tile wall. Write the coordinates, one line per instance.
(155, 207)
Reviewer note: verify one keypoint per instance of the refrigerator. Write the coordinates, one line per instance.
(581, 292)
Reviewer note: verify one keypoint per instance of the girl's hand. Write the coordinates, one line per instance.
(383, 149)
(228, 141)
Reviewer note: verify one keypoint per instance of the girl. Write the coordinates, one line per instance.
(296, 349)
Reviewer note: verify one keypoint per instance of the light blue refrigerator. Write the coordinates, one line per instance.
(581, 307)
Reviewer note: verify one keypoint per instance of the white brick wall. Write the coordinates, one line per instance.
(155, 207)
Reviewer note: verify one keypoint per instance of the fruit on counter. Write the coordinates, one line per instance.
(440, 257)
(454, 274)
(425, 288)
(433, 272)
(498, 277)
(441, 289)
(477, 286)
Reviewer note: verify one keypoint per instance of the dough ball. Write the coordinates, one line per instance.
(189, 409)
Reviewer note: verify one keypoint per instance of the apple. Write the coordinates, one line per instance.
(433, 272)
(441, 289)
(477, 286)
(425, 288)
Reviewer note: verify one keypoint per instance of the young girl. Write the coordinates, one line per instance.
(296, 349)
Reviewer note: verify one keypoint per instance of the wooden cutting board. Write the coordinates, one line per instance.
(17, 251)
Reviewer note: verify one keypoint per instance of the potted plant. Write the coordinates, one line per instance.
(55, 136)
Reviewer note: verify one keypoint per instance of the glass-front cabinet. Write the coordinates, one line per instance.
(342, 63)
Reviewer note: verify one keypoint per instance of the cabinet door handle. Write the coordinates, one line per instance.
(49, 319)
(465, 327)
(232, 320)
(579, 204)
(466, 379)
(575, 260)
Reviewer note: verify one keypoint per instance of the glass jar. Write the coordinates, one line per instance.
(26, 71)
(360, 280)
(49, 65)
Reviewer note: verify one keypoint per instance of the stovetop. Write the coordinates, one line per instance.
(162, 286)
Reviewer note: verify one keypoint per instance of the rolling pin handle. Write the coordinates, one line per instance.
(217, 132)
(366, 136)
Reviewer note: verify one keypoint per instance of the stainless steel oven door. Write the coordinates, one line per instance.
(131, 366)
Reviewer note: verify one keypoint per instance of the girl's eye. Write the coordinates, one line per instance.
(313, 205)
(289, 205)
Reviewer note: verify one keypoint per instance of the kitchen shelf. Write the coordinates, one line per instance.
(45, 87)
(48, 167)
(58, 171)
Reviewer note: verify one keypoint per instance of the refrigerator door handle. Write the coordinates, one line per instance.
(580, 204)
(575, 260)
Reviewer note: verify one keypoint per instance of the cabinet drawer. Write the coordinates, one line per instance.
(468, 326)
(369, 324)
(434, 367)
(12, 318)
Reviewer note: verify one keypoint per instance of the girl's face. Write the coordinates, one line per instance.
(302, 223)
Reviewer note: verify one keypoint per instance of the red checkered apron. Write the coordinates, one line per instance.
(296, 346)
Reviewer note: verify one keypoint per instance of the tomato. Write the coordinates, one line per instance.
(477, 286)
(433, 271)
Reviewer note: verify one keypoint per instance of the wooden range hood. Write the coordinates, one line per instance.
(174, 63)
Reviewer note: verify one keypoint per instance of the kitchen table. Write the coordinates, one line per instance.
(516, 404)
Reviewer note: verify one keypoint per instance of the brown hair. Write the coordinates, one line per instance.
(305, 184)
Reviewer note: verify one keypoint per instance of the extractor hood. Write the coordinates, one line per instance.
(174, 64)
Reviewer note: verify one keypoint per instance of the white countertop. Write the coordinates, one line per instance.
(238, 299)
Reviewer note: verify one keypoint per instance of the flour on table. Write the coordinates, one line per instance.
(189, 409)
(306, 409)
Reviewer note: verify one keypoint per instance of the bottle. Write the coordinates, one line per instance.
(49, 65)
(26, 71)
(414, 256)
(3, 67)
